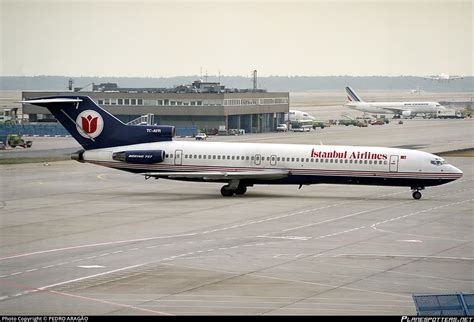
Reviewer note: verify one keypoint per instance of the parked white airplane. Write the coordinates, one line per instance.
(294, 115)
(149, 150)
(442, 77)
(404, 109)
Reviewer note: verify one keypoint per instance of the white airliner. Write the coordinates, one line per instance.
(299, 120)
(443, 77)
(294, 115)
(404, 109)
(149, 150)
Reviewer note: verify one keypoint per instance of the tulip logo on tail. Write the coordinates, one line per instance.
(89, 124)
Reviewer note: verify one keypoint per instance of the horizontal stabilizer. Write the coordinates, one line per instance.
(52, 100)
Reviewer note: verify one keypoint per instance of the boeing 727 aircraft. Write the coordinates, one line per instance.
(149, 150)
(404, 109)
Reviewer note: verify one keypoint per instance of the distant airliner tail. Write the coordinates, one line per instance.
(352, 96)
(94, 127)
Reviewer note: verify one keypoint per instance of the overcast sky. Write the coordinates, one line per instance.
(172, 38)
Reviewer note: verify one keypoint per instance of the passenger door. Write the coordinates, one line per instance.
(393, 165)
(178, 157)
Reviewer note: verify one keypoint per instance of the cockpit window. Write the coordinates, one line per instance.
(438, 161)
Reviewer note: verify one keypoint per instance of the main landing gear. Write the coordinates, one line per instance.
(416, 192)
(231, 188)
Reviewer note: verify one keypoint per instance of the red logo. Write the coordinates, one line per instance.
(89, 124)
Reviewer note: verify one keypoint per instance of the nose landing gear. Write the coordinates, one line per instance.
(416, 192)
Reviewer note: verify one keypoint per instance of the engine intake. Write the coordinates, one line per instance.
(140, 156)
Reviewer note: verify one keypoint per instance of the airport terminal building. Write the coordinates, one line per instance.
(204, 105)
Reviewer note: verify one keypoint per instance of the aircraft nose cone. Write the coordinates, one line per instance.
(456, 171)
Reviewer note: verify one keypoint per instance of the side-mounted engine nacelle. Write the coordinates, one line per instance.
(140, 156)
(406, 114)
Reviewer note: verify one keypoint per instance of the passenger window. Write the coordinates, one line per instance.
(218, 157)
(171, 155)
(233, 157)
(252, 158)
(345, 161)
(326, 160)
(292, 159)
(385, 162)
(336, 160)
(297, 159)
(370, 161)
(278, 158)
(228, 157)
(238, 157)
(247, 158)
(365, 162)
(307, 159)
(213, 157)
(167, 156)
(312, 160)
(288, 159)
(200, 156)
(204, 156)
(331, 161)
(268, 158)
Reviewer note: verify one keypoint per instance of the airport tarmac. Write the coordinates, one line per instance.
(82, 239)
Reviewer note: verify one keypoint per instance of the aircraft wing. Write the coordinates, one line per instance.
(267, 174)
(394, 109)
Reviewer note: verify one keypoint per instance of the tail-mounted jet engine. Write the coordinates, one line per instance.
(140, 156)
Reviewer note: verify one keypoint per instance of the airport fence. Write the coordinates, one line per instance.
(34, 129)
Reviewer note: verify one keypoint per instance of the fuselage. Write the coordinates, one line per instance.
(395, 107)
(307, 164)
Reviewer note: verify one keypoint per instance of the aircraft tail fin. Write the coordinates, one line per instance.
(94, 127)
(352, 96)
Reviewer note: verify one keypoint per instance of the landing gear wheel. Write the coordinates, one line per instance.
(416, 195)
(226, 192)
(241, 190)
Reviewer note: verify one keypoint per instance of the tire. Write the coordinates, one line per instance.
(226, 192)
(416, 195)
(241, 190)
